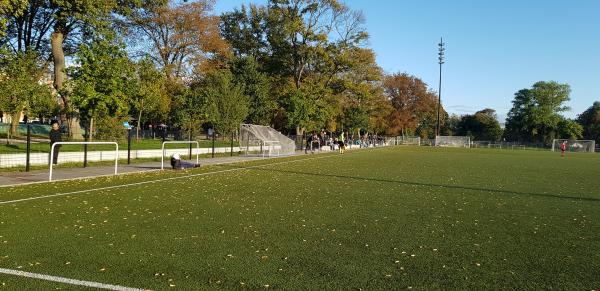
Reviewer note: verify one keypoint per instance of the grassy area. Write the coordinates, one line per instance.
(144, 144)
(392, 218)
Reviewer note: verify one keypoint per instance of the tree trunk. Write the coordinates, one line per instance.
(58, 57)
(300, 130)
(91, 129)
(14, 124)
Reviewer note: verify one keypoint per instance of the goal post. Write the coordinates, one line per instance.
(453, 141)
(271, 147)
(52, 149)
(582, 146)
(403, 140)
(262, 141)
(164, 150)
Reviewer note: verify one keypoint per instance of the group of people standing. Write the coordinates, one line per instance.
(317, 141)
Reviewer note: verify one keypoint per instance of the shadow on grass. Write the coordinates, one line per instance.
(430, 185)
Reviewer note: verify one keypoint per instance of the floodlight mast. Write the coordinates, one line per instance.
(441, 61)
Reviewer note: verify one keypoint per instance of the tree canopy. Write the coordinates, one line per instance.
(536, 112)
(590, 122)
(482, 126)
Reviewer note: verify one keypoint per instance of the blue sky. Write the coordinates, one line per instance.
(493, 48)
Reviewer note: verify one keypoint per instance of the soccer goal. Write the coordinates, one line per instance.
(53, 149)
(178, 151)
(583, 146)
(264, 141)
(404, 140)
(453, 141)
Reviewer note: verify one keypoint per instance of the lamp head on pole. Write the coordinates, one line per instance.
(441, 52)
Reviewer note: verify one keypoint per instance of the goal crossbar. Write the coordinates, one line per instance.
(83, 143)
(162, 157)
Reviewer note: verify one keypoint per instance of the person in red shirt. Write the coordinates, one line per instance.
(563, 148)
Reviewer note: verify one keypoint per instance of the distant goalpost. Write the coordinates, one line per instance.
(453, 141)
(82, 143)
(164, 151)
(583, 146)
(403, 140)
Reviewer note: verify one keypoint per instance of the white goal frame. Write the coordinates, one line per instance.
(82, 143)
(592, 142)
(162, 157)
(272, 145)
(440, 138)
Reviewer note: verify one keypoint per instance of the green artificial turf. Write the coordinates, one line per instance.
(143, 144)
(382, 219)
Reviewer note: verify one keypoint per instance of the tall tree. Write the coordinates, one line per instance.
(483, 126)
(569, 129)
(257, 87)
(56, 28)
(102, 82)
(10, 8)
(245, 30)
(590, 121)
(305, 46)
(150, 100)
(356, 86)
(226, 104)
(21, 87)
(414, 105)
(29, 29)
(183, 37)
(450, 127)
(535, 114)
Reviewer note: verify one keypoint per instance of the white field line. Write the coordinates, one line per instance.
(159, 180)
(67, 280)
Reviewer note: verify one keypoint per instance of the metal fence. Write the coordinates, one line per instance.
(27, 145)
(327, 141)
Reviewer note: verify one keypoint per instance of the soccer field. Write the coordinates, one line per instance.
(379, 219)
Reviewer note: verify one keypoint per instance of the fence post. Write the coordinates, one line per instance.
(213, 141)
(190, 139)
(85, 147)
(128, 146)
(28, 147)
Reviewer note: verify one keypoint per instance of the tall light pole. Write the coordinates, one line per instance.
(441, 51)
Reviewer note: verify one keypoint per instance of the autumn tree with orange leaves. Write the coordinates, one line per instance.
(182, 38)
(414, 105)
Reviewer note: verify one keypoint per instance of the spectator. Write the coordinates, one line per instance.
(316, 143)
(341, 143)
(308, 144)
(176, 162)
(54, 138)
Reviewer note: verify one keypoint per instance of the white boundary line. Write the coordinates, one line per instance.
(160, 180)
(67, 280)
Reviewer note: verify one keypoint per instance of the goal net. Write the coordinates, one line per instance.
(584, 146)
(403, 140)
(264, 141)
(453, 141)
